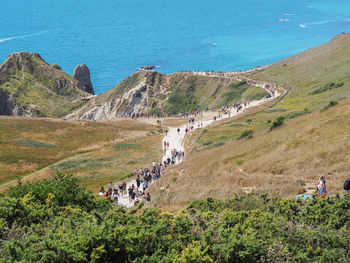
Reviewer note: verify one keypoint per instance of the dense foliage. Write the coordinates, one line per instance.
(56, 220)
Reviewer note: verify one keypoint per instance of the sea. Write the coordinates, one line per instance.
(115, 37)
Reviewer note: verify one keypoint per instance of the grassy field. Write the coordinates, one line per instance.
(281, 149)
(94, 151)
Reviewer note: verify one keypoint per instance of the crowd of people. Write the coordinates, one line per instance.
(136, 192)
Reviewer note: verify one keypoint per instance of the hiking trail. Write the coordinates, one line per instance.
(176, 140)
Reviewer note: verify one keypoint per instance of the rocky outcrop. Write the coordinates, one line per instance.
(82, 74)
(134, 100)
(9, 106)
(30, 86)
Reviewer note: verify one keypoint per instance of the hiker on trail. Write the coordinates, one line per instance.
(154, 164)
(164, 145)
(178, 131)
(167, 144)
(138, 181)
(124, 187)
(347, 185)
(321, 187)
(110, 186)
(115, 196)
(166, 132)
(148, 198)
(130, 190)
(102, 192)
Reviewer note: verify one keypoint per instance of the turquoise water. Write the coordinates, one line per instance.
(114, 37)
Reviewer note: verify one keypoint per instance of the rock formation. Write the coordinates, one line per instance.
(82, 74)
(134, 100)
(31, 87)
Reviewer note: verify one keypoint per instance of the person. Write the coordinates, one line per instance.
(130, 190)
(178, 131)
(138, 181)
(321, 187)
(115, 196)
(110, 186)
(102, 191)
(166, 132)
(347, 185)
(167, 144)
(148, 198)
(154, 164)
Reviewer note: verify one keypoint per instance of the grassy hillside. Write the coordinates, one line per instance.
(38, 86)
(313, 77)
(283, 148)
(180, 92)
(95, 151)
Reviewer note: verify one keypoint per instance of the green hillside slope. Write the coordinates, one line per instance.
(30, 84)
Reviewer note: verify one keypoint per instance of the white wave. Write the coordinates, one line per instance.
(302, 25)
(213, 43)
(22, 36)
(283, 19)
(322, 22)
(288, 14)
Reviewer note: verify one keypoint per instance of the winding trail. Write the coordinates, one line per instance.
(176, 140)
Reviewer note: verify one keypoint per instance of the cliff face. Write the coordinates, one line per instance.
(82, 75)
(31, 87)
(8, 105)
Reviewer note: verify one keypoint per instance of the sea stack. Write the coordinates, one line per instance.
(82, 74)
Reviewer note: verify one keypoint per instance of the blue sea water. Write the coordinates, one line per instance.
(114, 37)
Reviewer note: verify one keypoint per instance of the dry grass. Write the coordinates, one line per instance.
(88, 145)
(304, 148)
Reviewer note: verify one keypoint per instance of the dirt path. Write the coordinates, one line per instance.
(176, 139)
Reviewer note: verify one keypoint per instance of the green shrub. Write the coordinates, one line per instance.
(297, 114)
(329, 86)
(180, 103)
(56, 220)
(330, 104)
(300, 182)
(156, 112)
(246, 134)
(218, 144)
(235, 94)
(277, 123)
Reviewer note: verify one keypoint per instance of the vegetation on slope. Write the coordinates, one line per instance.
(39, 86)
(95, 151)
(300, 137)
(57, 220)
(182, 92)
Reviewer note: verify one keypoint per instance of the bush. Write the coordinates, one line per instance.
(60, 191)
(297, 114)
(34, 228)
(329, 86)
(300, 182)
(156, 112)
(330, 104)
(207, 143)
(277, 123)
(246, 134)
